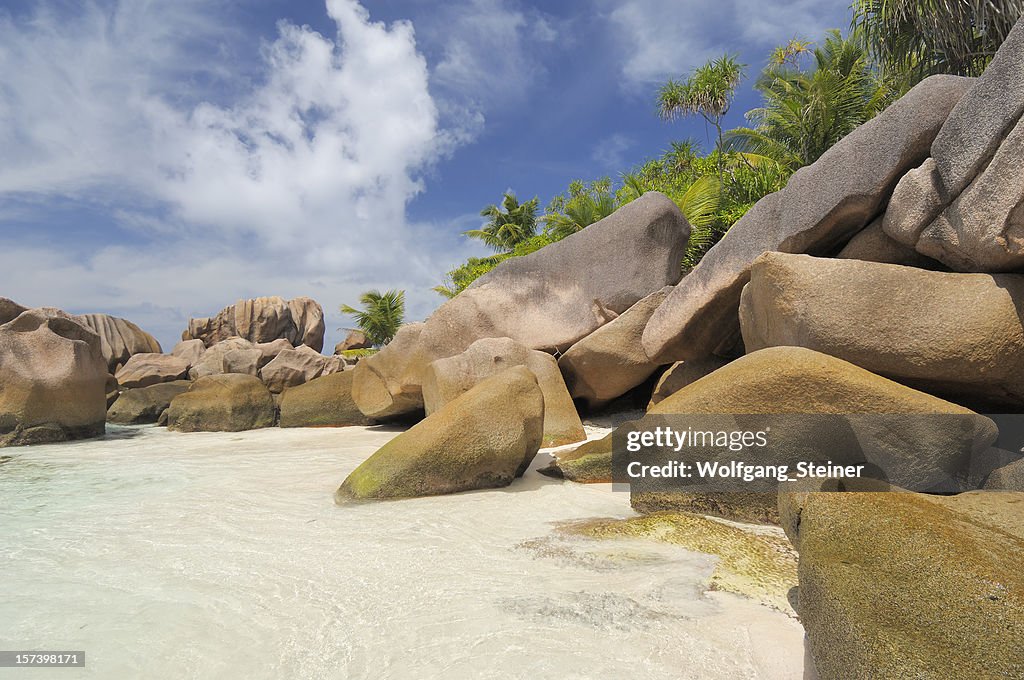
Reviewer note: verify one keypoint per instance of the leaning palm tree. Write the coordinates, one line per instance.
(509, 225)
(381, 315)
(912, 39)
(709, 92)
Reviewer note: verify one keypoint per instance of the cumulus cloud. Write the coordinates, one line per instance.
(288, 176)
(661, 39)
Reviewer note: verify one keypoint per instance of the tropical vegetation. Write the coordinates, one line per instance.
(381, 315)
(813, 94)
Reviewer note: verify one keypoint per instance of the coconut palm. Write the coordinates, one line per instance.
(584, 205)
(807, 111)
(381, 315)
(912, 39)
(708, 91)
(509, 225)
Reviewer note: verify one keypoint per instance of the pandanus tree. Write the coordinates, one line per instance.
(508, 225)
(381, 315)
(707, 92)
(912, 39)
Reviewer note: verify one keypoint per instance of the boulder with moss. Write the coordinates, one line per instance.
(231, 402)
(323, 402)
(145, 404)
(483, 439)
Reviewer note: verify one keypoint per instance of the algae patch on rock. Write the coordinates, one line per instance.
(758, 563)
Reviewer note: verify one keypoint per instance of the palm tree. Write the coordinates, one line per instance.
(584, 206)
(806, 112)
(709, 92)
(381, 315)
(912, 39)
(509, 225)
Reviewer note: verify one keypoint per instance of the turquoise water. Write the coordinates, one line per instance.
(217, 555)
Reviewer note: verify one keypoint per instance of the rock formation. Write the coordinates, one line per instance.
(222, 403)
(260, 320)
(483, 439)
(52, 379)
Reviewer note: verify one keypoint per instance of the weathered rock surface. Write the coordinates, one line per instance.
(145, 404)
(1007, 478)
(822, 206)
(189, 350)
(954, 334)
(292, 367)
(483, 439)
(982, 118)
(52, 379)
(916, 201)
(143, 370)
(611, 361)
(548, 300)
(390, 383)
(447, 379)
(794, 380)
(237, 355)
(323, 402)
(874, 245)
(983, 228)
(119, 338)
(759, 565)
(900, 585)
(299, 321)
(590, 463)
(10, 310)
(334, 364)
(681, 374)
(354, 340)
(222, 403)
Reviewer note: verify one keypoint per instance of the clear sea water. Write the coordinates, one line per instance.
(217, 555)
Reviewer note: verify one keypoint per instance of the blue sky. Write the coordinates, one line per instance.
(161, 160)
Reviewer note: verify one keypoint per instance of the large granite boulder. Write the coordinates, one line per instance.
(901, 585)
(191, 351)
(237, 355)
(354, 340)
(145, 405)
(795, 380)
(119, 338)
(143, 370)
(52, 379)
(222, 403)
(952, 334)
(611, 361)
(548, 300)
(299, 321)
(874, 245)
(483, 439)
(681, 374)
(292, 367)
(447, 379)
(965, 206)
(10, 310)
(1007, 478)
(590, 463)
(821, 208)
(323, 402)
(390, 383)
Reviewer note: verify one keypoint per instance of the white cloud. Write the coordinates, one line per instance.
(489, 50)
(610, 152)
(288, 178)
(661, 39)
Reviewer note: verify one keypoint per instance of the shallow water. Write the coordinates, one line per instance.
(217, 555)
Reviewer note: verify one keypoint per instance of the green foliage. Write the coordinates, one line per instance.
(458, 279)
(509, 225)
(582, 205)
(912, 39)
(381, 315)
(807, 111)
(359, 353)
